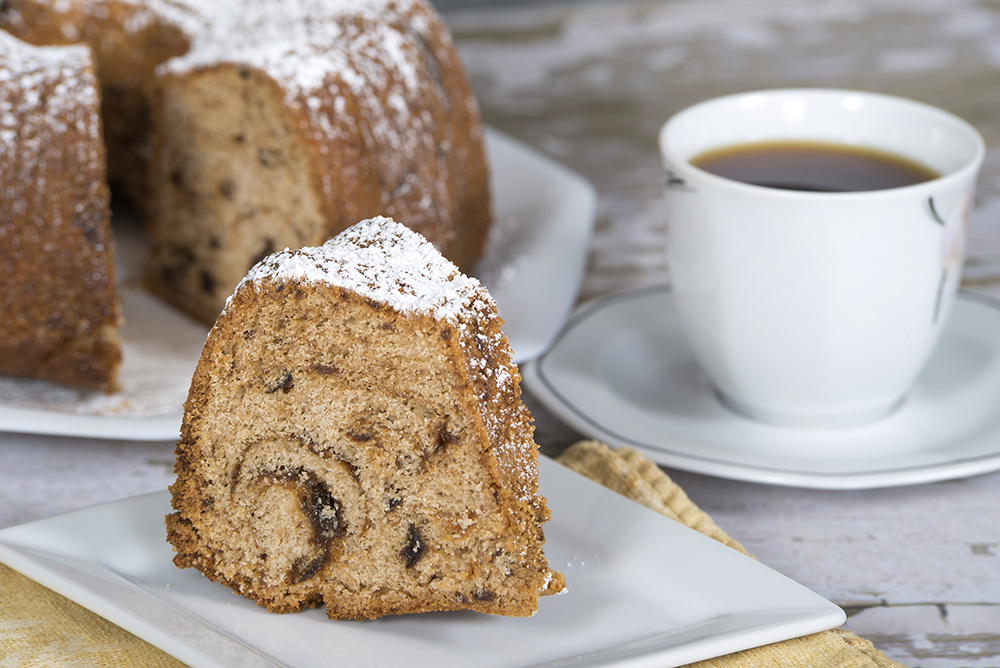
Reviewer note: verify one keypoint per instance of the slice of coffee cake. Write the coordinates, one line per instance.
(354, 436)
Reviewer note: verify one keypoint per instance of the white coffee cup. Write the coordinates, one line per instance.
(816, 308)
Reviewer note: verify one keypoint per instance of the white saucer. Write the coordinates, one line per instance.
(621, 372)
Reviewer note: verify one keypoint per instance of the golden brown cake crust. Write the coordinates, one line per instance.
(366, 450)
(59, 308)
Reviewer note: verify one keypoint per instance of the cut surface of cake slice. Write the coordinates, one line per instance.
(59, 306)
(354, 437)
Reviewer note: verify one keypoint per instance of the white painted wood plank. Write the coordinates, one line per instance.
(930, 636)
(41, 476)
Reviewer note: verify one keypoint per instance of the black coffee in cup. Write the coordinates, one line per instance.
(813, 166)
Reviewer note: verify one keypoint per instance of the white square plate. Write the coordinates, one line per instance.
(643, 591)
(533, 267)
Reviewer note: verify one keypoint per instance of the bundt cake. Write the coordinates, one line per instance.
(244, 127)
(59, 309)
(354, 437)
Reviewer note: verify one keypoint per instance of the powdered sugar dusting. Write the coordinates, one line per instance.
(299, 42)
(383, 261)
(264, 34)
(42, 89)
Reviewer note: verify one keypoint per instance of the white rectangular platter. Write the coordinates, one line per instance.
(533, 266)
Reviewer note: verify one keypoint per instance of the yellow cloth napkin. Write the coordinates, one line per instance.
(39, 628)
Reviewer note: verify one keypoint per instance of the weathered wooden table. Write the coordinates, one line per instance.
(590, 83)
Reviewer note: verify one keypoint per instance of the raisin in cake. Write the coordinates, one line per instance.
(244, 127)
(59, 309)
(354, 437)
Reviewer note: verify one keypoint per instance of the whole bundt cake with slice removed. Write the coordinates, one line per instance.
(354, 437)
(241, 127)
